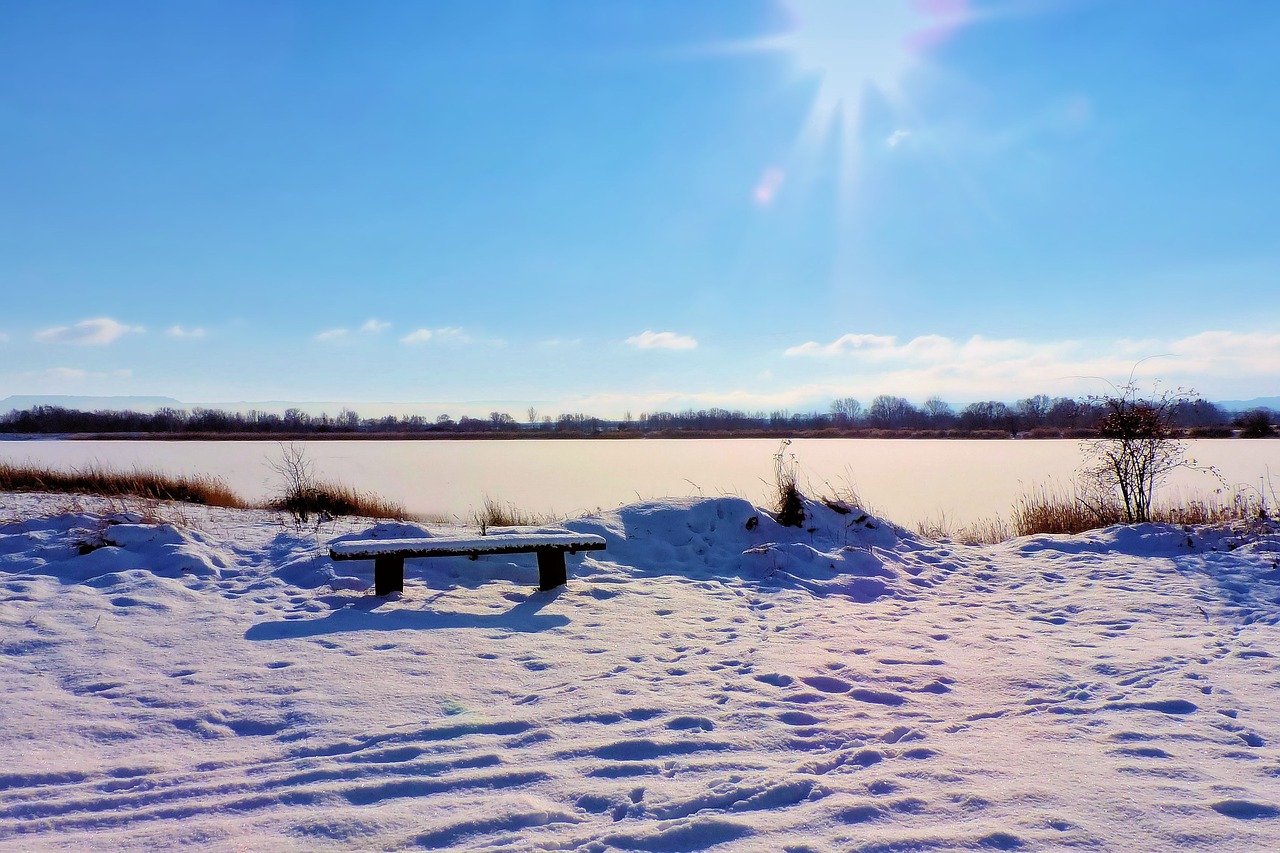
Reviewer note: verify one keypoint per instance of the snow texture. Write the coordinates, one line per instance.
(711, 681)
(356, 547)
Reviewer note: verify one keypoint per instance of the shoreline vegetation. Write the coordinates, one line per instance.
(309, 500)
(303, 499)
(885, 418)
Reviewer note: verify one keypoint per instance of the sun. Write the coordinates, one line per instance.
(851, 46)
(855, 47)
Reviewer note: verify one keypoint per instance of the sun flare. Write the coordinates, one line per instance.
(855, 47)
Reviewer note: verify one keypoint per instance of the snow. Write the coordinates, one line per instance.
(181, 678)
(357, 547)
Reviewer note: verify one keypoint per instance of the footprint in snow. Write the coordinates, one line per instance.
(776, 679)
(827, 683)
(688, 722)
(1245, 810)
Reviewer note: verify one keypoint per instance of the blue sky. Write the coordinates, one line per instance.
(612, 205)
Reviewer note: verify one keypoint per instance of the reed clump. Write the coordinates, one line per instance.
(139, 482)
(1055, 511)
(495, 513)
(788, 502)
(305, 496)
(324, 499)
(1051, 510)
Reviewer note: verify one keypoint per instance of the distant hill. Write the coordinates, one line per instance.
(1255, 403)
(22, 402)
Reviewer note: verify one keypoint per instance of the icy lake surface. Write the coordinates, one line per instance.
(904, 480)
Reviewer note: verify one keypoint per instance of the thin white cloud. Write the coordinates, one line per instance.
(182, 332)
(453, 333)
(77, 374)
(3, 337)
(927, 349)
(768, 186)
(661, 340)
(369, 327)
(845, 345)
(897, 138)
(96, 332)
(443, 335)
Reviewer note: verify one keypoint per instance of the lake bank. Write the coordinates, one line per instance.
(908, 481)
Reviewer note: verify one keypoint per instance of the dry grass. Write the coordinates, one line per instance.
(1213, 510)
(495, 513)
(306, 497)
(984, 532)
(1057, 511)
(147, 489)
(788, 503)
(842, 496)
(1054, 512)
(139, 483)
(1051, 510)
(322, 499)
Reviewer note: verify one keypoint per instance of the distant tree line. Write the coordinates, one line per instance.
(1033, 417)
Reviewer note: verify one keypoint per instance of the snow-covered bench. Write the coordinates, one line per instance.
(388, 555)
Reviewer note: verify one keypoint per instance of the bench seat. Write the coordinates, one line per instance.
(388, 555)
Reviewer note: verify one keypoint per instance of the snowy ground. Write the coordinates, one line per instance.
(705, 683)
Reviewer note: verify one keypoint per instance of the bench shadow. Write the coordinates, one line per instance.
(368, 615)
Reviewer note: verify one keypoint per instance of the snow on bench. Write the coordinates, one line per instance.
(388, 555)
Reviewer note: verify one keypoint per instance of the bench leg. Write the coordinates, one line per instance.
(388, 575)
(551, 570)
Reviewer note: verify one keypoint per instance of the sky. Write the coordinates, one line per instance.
(616, 206)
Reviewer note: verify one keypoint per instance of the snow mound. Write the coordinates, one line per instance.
(84, 546)
(834, 552)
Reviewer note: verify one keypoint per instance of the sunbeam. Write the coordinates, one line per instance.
(854, 48)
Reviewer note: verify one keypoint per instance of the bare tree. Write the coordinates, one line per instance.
(938, 411)
(889, 412)
(1033, 410)
(846, 410)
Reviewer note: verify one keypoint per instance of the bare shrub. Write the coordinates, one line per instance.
(1137, 448)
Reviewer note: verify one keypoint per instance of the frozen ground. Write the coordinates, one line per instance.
(706, 683)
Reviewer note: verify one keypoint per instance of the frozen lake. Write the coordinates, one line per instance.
(906, 481)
